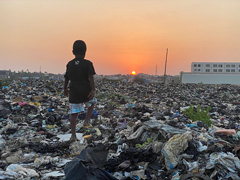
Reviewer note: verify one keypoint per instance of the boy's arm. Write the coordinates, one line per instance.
(66, 87)
(92, 93)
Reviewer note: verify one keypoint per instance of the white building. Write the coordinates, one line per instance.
(212, 73)
(215, 67)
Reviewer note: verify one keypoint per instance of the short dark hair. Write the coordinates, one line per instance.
(79, 47)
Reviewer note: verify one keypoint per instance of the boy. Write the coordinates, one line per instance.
(79, 73)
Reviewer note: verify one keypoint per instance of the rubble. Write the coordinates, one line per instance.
(140, 131)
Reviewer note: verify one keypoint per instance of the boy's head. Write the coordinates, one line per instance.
(79, 48)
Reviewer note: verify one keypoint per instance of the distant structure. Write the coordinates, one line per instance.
(212, 73)
(165, 69)
(213, 67)
(156, 70)
(4, 74)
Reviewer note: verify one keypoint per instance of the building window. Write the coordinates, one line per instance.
(214, 70)
(207, 70)
(199, 65)
(228, 65)
(194, 65)
(233, 65)
(195, 70)
(199, 70)
(232, 70)
(219, 70)
(215, 65)
(227, 70)
(207, 65)
(220, 65)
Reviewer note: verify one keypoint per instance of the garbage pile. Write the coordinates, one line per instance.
(140, 131)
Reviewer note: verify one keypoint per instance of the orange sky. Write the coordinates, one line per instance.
(121, 36)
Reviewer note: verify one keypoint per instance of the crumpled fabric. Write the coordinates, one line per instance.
(174, 147)
(228, 160)
(137, 133)
(21, 170)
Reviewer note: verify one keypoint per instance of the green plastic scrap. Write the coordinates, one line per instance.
(149, 140)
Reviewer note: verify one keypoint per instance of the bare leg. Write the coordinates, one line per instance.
(88, 116)
(73, 122)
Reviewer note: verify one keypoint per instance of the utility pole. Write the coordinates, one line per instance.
(156, 69)
(165, 67)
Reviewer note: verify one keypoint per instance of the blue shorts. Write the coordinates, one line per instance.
(76, 108)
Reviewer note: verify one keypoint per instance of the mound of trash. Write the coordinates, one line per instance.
(141, 130)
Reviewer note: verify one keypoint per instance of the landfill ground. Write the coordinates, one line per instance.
(141, 130)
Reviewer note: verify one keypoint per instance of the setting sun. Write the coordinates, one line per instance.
(133, 72)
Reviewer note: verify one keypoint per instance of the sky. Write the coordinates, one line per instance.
(121, 35)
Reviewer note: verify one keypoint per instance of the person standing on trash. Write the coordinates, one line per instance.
(79, 86)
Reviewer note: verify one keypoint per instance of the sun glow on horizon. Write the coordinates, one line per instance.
(133, 72)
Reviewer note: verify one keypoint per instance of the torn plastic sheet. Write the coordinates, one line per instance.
(137, 133)
(172, 130)
(153, 123)
(185, 156)
(165, 127)
(175, 176)
(166, 130)
(42, 161)
(25, 171)
(8, 175)
(54, 174)
(80, 170)
(228, 160)
(191, 165)
(86, 166)
(210, 138)
(139, 173)
(201, 147)
(63, 162)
